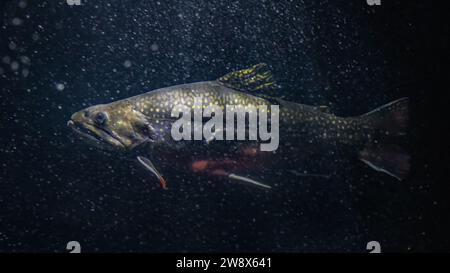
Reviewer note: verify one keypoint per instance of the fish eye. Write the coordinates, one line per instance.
(100, 118)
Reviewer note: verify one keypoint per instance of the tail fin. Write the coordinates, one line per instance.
(389, 120)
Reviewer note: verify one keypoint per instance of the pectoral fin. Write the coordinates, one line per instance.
(149, 166)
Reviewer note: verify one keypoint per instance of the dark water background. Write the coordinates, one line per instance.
(57, 59)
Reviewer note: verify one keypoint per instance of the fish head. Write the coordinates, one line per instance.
(116, 125)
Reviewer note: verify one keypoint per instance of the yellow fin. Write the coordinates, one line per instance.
(254, 79)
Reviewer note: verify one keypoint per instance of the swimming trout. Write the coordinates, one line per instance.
(141, 127)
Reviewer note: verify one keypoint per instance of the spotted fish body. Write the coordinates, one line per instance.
(305, 131)
(298, 119)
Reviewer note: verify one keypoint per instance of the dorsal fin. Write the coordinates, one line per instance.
(257, 78)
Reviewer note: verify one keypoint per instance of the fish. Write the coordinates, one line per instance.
(141, 125)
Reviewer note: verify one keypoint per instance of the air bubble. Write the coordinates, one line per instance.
(35, 36)
(60, 86)
(127, 63)
(14, 65)
(17, 21)
(25, 60)
(12, 46)
(154, 47)
(25, 72)
(6, 59)
(22, 4)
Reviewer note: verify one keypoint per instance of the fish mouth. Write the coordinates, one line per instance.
(96, 134)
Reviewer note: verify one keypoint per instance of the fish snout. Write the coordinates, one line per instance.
(77, 118)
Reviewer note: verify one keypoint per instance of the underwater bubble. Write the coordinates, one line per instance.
(17, 21)
(58, 25)
(154, 47)
(35, 36)
(22, 4)
(14, 65)
(6, 59)
(12, 46)
(127, 63)
(25, 72)
(25, 60)
(60, 86)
